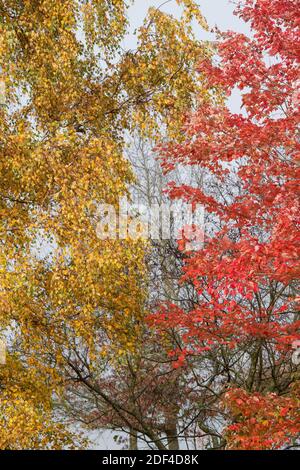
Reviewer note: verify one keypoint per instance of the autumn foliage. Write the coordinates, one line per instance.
(106, 333)
(246, 275)
(72, 95)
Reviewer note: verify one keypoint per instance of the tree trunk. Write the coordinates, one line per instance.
(133, 442)
(171, 433)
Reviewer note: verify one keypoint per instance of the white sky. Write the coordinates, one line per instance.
(217, 12)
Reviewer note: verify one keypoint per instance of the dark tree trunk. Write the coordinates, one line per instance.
(171, 433)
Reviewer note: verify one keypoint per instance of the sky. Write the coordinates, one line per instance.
(216, 12)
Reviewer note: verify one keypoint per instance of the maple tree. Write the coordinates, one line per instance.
(246, 277)
(71, 95)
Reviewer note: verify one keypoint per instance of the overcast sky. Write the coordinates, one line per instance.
(217, 12)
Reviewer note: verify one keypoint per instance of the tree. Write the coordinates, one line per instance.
(26, 417)
(72, 93)
(140, 393)
(247, 274)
